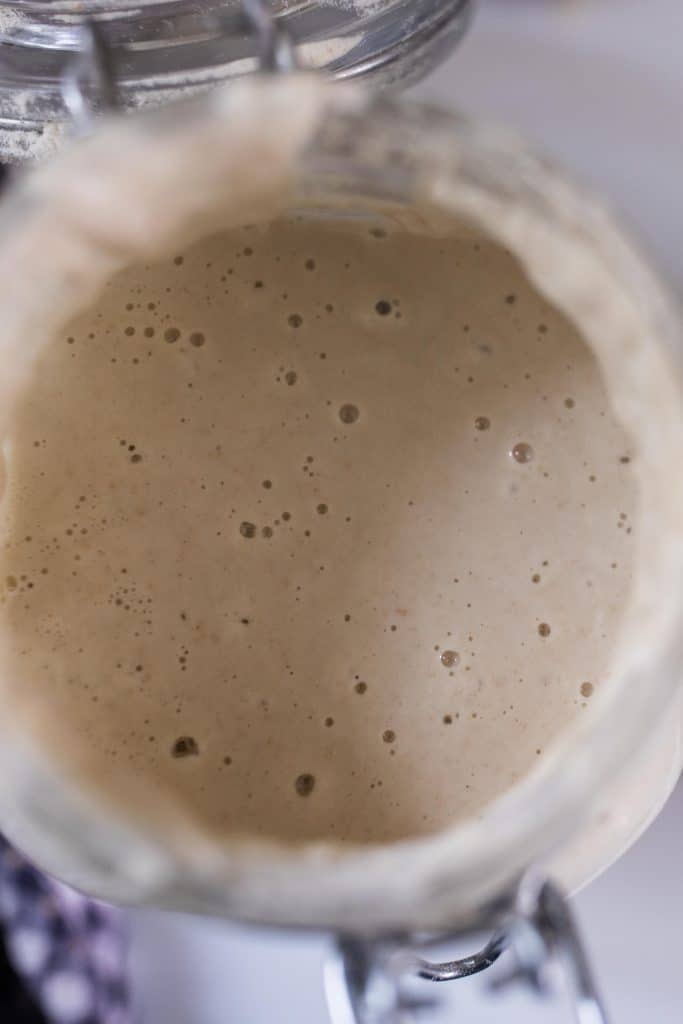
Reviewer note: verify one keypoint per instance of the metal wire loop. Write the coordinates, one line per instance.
(452, 970)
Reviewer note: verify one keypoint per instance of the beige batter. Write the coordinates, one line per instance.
(325, 530)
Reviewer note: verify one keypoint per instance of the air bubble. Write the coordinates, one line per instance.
(522, 452)
(185, 746)
(449, 659)
(304, 784)
(482, 423)
(349, 413)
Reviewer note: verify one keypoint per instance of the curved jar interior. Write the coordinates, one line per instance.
(71, 225)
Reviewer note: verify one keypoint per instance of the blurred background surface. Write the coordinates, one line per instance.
(597, 84)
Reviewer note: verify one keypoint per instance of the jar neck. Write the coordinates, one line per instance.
(160, 49)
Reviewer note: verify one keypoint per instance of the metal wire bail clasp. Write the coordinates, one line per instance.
(276, 50)
(548, 954)
(89, 81)
(365, 979)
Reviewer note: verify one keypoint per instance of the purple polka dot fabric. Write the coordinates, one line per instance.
(69, 951)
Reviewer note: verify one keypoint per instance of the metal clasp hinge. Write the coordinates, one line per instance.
(365, 980)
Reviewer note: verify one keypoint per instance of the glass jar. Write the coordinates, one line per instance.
(75, 221)
(159, 49)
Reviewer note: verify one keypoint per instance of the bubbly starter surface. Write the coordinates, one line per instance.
(326, 530)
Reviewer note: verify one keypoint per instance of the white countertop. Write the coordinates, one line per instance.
(598, 84)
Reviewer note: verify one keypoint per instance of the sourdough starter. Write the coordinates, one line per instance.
(324, 530)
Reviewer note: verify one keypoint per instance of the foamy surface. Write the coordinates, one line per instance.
(325, 530)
